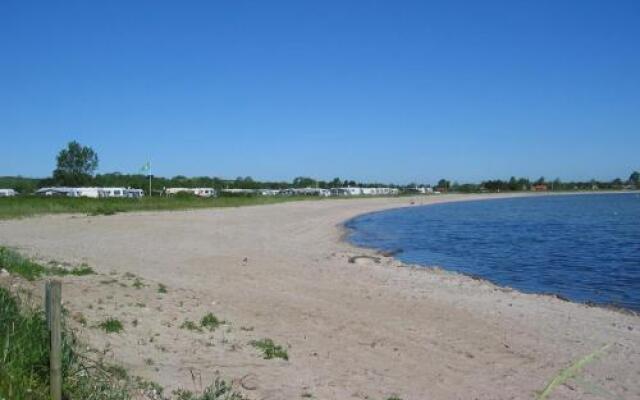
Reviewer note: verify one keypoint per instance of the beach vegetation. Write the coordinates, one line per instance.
(15, 263)
(219, 390)
(24, 359)
(210, 322)
(26, 206)
(269, 349)
(111, 325)
(162, 288)
(190, 326)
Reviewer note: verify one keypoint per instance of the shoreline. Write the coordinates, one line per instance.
(353, 330)
(346, 231)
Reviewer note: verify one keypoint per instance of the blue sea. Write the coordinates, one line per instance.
(582, 247)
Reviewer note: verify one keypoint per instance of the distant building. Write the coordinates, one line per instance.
(419, 190)
(346, 191)
(539, 188)
(134, 193)
(112, 192)
(241, 191)
(57, 191)
(200, 192)
(356, 191)
(306, 192)
(92, 192)
(7, 193)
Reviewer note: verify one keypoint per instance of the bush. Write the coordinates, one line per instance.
(270, 349)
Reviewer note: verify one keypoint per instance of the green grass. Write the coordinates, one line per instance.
(17, 264)
(24, 359)
(137, 283)
(191, 326)
(24, 364)
(210, 322)
(270, 349)
(162, 288)
(219, 390)
(111, 325)
(25, 206)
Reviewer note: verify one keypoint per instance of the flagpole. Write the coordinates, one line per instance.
(149, 172)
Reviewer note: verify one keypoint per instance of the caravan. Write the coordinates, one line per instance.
(7, 193)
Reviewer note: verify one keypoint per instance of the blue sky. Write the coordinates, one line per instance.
(373, 90)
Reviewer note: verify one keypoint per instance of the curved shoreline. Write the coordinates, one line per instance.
(353, 330)
(347, 231)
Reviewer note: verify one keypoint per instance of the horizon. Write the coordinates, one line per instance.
(361, 91)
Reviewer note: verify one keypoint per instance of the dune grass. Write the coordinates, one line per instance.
(17, 264)
(25, 206)
(269, 349)
(24, 364)
(111, 325)
(210, 322)
(24, 359)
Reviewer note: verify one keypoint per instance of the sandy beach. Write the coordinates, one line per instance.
(359, 328)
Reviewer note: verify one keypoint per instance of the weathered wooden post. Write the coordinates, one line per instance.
(53, 308)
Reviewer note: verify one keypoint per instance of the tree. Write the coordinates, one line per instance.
(303, 181)
(444, 184)
(634, 177)
(75, 165)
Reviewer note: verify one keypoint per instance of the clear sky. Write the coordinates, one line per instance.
(371, 90)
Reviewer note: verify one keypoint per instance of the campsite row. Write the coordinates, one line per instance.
(100, 192)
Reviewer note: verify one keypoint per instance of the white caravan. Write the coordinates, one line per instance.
(57, 191)
(7, 192)
(201, 192)
(112, 192)
(134, 193)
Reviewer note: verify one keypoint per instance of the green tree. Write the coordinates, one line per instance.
(634, 177)
(75, 165)
(302, 181)
(444, 184)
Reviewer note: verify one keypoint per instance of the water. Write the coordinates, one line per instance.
(583, 247)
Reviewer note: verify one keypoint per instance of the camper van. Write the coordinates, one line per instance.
(7, 192)
(112, 192)
(201, 192)
(134, 193)
(57, 191)
(92, 192)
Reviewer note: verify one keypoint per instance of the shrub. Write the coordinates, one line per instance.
(111, 325)
(270, 349)
(210, 322)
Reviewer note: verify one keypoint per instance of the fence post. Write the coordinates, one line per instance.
(53, 297)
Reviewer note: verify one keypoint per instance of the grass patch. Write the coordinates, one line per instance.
(210, 322)
(24, 359)
(219, 390)
(137, 283)
(17, 264)
(25, 206)
(24, 364)
(191, 326)
(162, 288)
(270, 349)
(111, 325)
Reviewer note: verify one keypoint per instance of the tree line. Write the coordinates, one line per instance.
(76, 165)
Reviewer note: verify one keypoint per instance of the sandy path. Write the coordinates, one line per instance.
(353, 330)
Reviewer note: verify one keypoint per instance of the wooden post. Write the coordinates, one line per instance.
(53, 296)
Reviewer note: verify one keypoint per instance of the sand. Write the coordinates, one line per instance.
(353, 330)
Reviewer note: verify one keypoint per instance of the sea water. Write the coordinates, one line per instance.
(582, 247)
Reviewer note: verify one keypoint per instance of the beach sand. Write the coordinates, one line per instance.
(353, 330)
